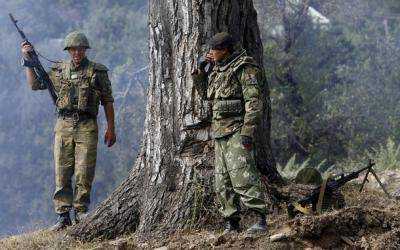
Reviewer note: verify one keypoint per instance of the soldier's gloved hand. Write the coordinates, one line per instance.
(110, 138)
(247, 142)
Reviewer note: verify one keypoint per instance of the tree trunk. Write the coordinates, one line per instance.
(170, 186)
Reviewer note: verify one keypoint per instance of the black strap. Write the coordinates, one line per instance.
(79, 116)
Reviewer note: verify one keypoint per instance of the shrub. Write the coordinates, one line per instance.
(386, 155)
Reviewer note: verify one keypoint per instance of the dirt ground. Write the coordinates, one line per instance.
(350, 228)
(369, 221)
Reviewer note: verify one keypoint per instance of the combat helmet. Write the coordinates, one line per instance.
(308, 176)
(76, 39)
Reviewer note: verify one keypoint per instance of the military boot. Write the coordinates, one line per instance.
(259, 227)
(63, 221)
(231, 226)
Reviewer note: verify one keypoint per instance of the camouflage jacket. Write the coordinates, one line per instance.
(79, 89)
(234, 89)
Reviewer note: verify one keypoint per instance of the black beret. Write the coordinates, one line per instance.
(222, 40)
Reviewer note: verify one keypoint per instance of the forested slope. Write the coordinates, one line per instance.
(335, 89)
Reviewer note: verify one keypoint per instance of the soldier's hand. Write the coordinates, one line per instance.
(25, 49)
(203, 63)
(247, 142)
(209, 57)
(110, 138)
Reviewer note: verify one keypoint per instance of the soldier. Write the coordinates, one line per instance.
(233, 87)
(81, 85)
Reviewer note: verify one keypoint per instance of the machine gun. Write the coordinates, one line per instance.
(328, 188)
(35, 64)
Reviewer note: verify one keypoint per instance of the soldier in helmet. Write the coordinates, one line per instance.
(81, 85)
(233, 86)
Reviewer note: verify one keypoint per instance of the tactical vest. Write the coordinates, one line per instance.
(78, 92)
(225, 89)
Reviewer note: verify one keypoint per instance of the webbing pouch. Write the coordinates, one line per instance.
(228, 108)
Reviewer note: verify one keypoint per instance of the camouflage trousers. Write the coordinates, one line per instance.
(75, 151)
(236, 177)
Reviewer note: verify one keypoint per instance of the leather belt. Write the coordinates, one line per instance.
(76, 116)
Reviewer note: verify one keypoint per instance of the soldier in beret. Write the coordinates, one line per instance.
(234, 88)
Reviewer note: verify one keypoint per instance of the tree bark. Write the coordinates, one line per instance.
(170, 186)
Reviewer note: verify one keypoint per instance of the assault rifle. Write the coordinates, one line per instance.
(35, 64)
(329, 187)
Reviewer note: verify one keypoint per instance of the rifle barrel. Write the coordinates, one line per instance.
(12, 18)
(16, 26)
(40, 72)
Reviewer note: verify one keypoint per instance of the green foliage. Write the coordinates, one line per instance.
(292, 167)
(386, 156)
(335, 90)
(290, 170)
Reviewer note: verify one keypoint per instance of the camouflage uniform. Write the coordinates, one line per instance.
(80, 91)
(233, 87)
